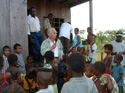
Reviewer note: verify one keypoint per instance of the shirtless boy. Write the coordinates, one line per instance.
(108, 59)
(15, 72)
(49, 56)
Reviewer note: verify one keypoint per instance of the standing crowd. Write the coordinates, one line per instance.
(54, 67)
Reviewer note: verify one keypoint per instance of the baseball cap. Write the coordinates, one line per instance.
(119, 33)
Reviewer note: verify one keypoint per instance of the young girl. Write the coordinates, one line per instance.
(5, 78)
(29, 81)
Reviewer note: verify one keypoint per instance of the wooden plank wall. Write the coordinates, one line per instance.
(13, 28)
(44, 7)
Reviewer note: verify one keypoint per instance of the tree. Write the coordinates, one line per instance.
(81, 32)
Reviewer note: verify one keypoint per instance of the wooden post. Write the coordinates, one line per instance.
(91, 13)
(13, 24)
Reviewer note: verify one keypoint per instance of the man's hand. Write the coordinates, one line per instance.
(53, 46)
(32, 41)
(61, 57)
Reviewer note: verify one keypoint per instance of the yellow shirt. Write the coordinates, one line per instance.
(25, 84)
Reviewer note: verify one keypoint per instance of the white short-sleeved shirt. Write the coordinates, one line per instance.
(55, 51)
(92, 54)
(33, 24)
(118, 47)
(65, 30)
(48, 90)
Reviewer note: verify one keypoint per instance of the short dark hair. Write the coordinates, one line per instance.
(12, 58)
(108, 46)
(119, 57)
(76, 62)
(31, 8)
(100, 66)
(1, 60)
(6, 47)
(16, 45)
(77, 29)
(49, 55)
(89, 28)
(50, 14)
(89, 66)
(29, 57)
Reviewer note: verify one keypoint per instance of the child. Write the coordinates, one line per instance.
(5, 78)
(82, 50)
(89, 70)
(104, 82)
(118, 72)
(29, 81)
(92, 51)
(15, 72)
(90, 35)
(108, 59)
(30, 64)
(78, 83)
(49, 56)
(18, 50)
(6, 52)
(44, 78)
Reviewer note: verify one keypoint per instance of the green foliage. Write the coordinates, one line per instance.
(81, 32)
(105, 37)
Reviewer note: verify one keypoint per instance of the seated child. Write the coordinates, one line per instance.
(5, 78)
(92, 51)
(78, 83)
(29, 81)
(44, 78)
(20, 61)
(49, 56)
(118, 72)
(6, 52)
(29, 64)
(15, 72)
(108, 59)
(82, 50)
(90, 35)
(104, 82)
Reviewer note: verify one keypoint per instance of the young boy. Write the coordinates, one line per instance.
(49, 56)
(118, 72)
(89, 70)
(78, 83)
(6, 52)
(15, 72)
(18, 50)
(90, 35)
(108, 59)
(5, 78)
(104, 82)
(92, 51)
(44, 78)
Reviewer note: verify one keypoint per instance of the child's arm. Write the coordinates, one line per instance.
(19, 77)
(91, 48)
(119, 78)
(102, 56)
(109, 83)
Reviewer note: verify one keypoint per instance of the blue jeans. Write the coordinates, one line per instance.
(38, 39)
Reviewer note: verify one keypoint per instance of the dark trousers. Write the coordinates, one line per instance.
(36, 46)
(65, 43)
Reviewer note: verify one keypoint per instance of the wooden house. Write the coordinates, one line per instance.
(13, 18)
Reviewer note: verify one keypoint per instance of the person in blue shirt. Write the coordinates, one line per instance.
(77, 42)
(118, 72)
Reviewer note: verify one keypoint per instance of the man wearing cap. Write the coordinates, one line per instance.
(118, 47)
(51, 44)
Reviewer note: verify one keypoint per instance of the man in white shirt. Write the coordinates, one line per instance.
(51, 44)
(34, 33)
(118, 47)
(66, 31)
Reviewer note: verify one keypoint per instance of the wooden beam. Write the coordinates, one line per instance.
(77, 2)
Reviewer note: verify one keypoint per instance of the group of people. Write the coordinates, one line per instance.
(64, 69)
